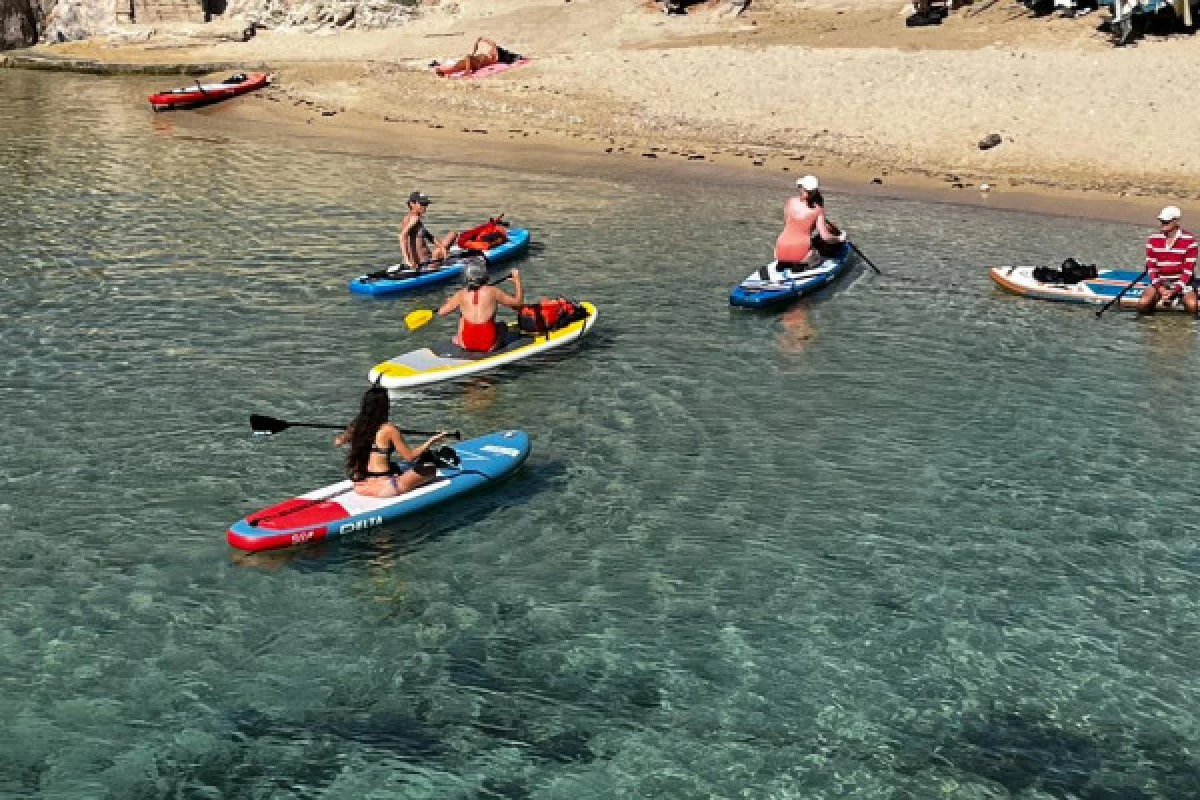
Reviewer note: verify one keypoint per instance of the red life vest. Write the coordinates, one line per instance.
(484, 237)
(548, 315)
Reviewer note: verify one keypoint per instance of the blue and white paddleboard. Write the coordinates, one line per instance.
(770, 286)
(398, 279)
(1107, 284)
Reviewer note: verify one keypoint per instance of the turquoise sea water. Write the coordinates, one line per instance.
(916, 540)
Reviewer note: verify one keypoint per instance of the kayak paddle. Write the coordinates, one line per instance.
(422, 316)
(863, 256)
(1133, 283)
(265, 426)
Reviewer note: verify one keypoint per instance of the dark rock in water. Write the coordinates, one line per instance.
(990, 141)
(18, 24)
(877, 181)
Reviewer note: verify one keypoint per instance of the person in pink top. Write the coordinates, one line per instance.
(803, 214)
(1170, 264)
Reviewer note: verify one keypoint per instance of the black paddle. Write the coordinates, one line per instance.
(406, 272)
(863, 256)
(1133, 283)
(266, 426)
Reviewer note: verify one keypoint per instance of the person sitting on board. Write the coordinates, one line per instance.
(476, 60)
(803, 215)
(415, 238)
(373, 440)
(1170, 264)
(478, 330)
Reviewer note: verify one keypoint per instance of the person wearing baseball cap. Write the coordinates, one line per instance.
(420, 247)
(803, 215)
(1170, 264)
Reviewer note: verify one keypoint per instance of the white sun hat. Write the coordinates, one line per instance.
(1169, 214)
(808, 183)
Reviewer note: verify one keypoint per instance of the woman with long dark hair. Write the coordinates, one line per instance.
(373, 440)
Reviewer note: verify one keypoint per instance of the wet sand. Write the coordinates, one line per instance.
(841, 89)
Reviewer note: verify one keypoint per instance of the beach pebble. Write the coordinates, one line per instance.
(989, 141)
(878, 181)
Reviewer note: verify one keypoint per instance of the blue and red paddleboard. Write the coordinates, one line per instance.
(397, 279)
(337, 510)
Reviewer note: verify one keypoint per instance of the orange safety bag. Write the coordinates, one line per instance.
(484, 237)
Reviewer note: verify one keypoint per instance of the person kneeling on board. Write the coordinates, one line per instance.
(373, 440)
(1170, 264)
(804, 225)
(478, 330)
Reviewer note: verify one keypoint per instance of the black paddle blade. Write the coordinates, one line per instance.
(447, 457)
(265, 426)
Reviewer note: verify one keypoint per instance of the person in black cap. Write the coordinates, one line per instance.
(420, 247)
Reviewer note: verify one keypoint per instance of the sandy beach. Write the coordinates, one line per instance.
(840, 87)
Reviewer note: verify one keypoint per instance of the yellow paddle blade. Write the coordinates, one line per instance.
(415, 319)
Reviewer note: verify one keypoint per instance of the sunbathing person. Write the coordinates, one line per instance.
(476, 60)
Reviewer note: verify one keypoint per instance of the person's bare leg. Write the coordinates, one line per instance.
(1148, 300)
(462, 65)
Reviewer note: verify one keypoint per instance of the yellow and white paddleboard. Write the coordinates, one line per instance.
(447, 361)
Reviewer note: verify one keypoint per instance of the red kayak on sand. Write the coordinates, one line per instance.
(205, 93)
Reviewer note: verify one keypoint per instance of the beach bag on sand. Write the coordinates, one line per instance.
(484, 237)
(548, 315)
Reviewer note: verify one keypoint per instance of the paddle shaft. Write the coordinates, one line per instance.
(1121, 293)
(863, 256)
(327, 426)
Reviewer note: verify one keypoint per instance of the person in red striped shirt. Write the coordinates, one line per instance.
(1170, 264)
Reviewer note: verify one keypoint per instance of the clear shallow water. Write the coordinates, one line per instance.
(911, 542)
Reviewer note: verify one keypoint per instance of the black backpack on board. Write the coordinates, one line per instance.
(1070, 272)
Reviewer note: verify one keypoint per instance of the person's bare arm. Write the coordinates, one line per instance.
(492, 47)
(828, 231)
(410, 453)
(451, 305)
(512, 301)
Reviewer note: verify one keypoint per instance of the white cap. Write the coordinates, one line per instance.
(1169, 214)
(808, 183)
